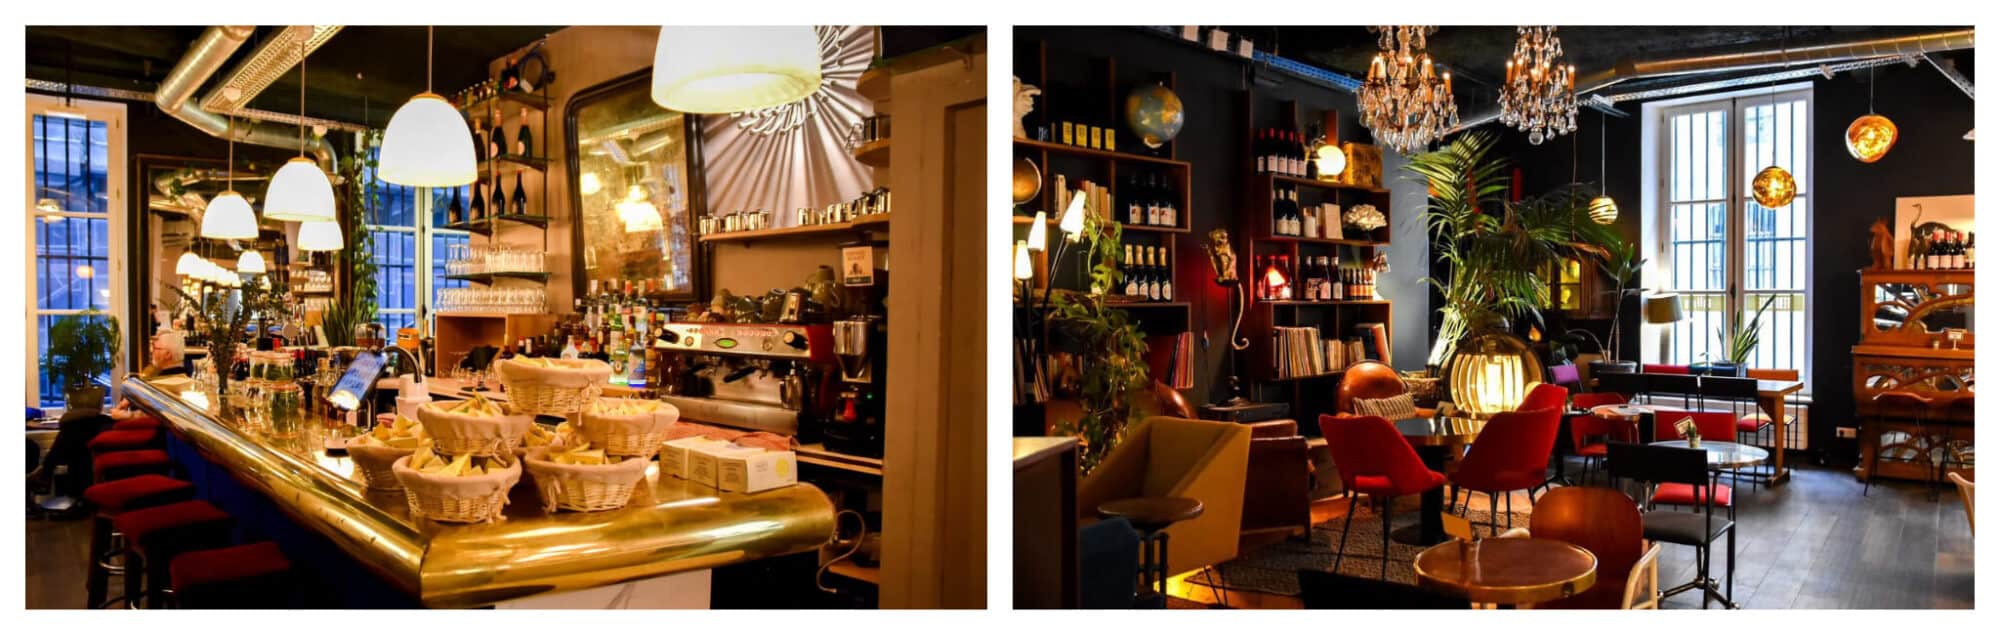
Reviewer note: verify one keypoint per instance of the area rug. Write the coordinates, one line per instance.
(1274, 568)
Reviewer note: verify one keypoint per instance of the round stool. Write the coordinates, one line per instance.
(115, 440)
(1151, 516)
(155, 535)
(251, 576)
(112, 466)
(110, 499)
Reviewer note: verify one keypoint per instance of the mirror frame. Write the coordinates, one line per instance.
(139, 239)
(698, 258)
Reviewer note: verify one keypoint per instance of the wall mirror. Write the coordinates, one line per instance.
(635, 181)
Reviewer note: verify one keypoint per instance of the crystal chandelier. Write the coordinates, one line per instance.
(1405, 102)
(1539, 96)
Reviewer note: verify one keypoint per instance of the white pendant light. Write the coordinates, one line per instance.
(729, 69)
(427, 143)
(250, 262)
(1038, 233)
(299, 191)
(228, 216)
(320, 235)
(1072, 218)
(188, 264)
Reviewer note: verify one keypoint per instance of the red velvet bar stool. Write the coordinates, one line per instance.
(140, 423)
(155, 535)
(112, 466)
(251, 576)
(112, 498)
(116, 440)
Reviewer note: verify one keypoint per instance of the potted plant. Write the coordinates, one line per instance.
(1623, 264)
(1738, 340)
(1113, 376)
(81, 348)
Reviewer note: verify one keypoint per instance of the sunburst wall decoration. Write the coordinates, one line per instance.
(796, 155)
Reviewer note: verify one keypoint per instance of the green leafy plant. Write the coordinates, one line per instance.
(358, 193)
(1114, 376)
(223, 317)
(1497, 253)
(1739, 339)
(1622, 264)
(82, 347)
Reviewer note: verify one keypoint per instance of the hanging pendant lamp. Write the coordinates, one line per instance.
(228, 216)
(427, 143)
(320, 235)
(1602, 209)
(188, 264)
(1871, 135)
(250, 262)
(727, 69)
(300, 190)
(1774, 186)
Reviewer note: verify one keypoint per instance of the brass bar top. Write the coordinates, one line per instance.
(670, 526)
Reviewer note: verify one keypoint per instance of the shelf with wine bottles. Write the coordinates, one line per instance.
(484, 226)
(532, 101)
(488, 278)
(1296, 181)
(507, 164)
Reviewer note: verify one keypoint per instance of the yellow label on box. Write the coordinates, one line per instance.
(1097, 137)
(1068, 133)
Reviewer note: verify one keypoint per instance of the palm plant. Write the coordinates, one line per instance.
(1622, 264)
(1739, 339)
(1496, 252)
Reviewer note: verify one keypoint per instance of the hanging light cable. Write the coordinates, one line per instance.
(427, 143)
(1871, 135)
(228, 216)
(300, 190)
(1773, 186)
(1603, 209)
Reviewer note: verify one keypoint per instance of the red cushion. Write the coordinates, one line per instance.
(1683, 494)
(145, 526)
(1381, 486)
(1594, 449)
(138, 423)
(138, 492)
(115, 465)
(1666, 369)
(228, 564)
(1501, 480)
(114, 440)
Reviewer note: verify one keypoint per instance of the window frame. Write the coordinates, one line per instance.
(424, 262)
(1659, 203)
(116, 171)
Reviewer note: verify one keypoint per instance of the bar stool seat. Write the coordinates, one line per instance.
(156, 534)
(139, 423)
(112, 466)
(244, 576)
(110, 499)
(115, 440)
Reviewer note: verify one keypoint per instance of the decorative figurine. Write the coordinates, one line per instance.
(1024, 103)
(1881, 246)
(1222, 256)
(1920, 241)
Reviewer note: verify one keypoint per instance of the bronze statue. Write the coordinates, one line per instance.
(1920, 241)
(1222, 256)
(1881, 246)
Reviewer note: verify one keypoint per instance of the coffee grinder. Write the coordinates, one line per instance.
(855, 425)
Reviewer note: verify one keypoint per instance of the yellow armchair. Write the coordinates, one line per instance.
(1187, 458)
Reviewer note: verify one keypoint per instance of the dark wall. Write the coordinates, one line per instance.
(1211, 87)
(1930, 159)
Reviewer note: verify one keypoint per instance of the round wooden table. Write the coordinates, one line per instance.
(1516, 571)
(1151, 516)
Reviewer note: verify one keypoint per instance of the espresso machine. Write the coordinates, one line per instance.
(855, 425)
(766, 377)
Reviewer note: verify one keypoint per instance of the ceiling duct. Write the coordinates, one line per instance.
(1900, 46)
(278, 55)
(201, 62)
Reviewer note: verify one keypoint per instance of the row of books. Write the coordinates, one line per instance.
(1299, 351)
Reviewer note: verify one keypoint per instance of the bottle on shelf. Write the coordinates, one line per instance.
(497, 203)
(1970, 238)
(1134, 203)
(1129, 269)
(1957, 250)
(524, 143)
(1166, 277)
(496, 144)
(478, 209)
(519, 199)
(454, 211)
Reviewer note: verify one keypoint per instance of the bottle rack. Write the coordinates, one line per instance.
(1335, 318)
(531, 169)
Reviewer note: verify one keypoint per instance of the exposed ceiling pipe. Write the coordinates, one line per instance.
(242, 114)
(1899, 46)
(277, 56)
(202, 60)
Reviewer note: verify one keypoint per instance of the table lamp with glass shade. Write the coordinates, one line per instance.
(1491, 373)
(1664, 309)
(715, 70)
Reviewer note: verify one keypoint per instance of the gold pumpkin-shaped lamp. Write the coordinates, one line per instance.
(1774, 187)
(1491, 373)
(1870, 137)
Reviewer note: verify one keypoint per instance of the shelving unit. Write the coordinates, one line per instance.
(869, 223)
(530, 170)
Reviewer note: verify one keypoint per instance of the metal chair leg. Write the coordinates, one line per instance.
(1510, 510)
(1385, 538)
(1729, 581)
(1341, 552)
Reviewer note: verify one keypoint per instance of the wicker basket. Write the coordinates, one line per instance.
(457, 499)
(477, 435)
(561, 389)
(375, 463)
(629, 434)
(584, 488)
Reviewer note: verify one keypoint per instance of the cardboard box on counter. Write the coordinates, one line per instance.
(765, 469)
(702, 461)
(674, 454)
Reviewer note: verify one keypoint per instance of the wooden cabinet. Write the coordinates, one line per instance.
(1916, 337)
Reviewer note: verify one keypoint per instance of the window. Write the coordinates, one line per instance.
(75, 216)
(1714, 245)
(404, 289)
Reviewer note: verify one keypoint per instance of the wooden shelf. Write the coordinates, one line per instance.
(1336, 373)
(1322, 302)
(1304, 182)
(533, 101)
(874, 84)
(1325, 241)
(488, 278)
(871, 222)
(817, 454)
(874, 153)
(484, 226)
(1094, 153)
(848, 569)
(510, 163)
(1148, 305)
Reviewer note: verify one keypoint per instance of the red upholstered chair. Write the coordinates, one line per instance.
(1374, 459)
(1511, 453)
(155, 535)
(1588, 433)
(1664, 369)
(112, 498)
(251, 576)
(1545, 397)
(1711, 425)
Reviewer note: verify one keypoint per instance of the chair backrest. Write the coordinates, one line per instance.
(1588, 400)
(1965, 494)
(1171, 402)
(1663, 369)
(1657, 464)
(1366, 380)
(1545, 396)
(1371, 446)
(1730, 388)
(1604, 522)
(1714, 426)
(1519, 440)
(1327, 590)
(1622, 383)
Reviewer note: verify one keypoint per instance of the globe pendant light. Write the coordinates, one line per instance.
(320, 235)
(250, 262)
(1773, 187)
(300, 191)
(427, 143)
(1603, 210)
(228, 216)
(1871, 135)
(727, 69)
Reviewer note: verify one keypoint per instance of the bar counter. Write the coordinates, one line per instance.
(673, 526)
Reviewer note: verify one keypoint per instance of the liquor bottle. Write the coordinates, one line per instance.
(1168, 201)
(524, 141)
(519, 199)
(1166, 277)
(479, 149)
(454, 212)
(478, 209)
(1153, 274)
(497, 203)
(1957, 250)
(1152, 203)
(569, 348)
(496, 144)
(635, 378)
(1257, 151)
(1934, 256)
(1970, 238)
(620, 354)
(1129, 268)
(1134, 209)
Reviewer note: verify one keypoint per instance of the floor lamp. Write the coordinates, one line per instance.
(1664, 309)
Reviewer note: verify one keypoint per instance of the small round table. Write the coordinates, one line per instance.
(1151, 516)
(1514, 571)
(1724, 455)
(1638, 414)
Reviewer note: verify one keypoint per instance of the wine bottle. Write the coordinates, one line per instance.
(478, 209)
(1166, 277)
(495, 142)
(1129, 269)
(454, 212)
(524, 143)
(1134, 211)
(1970, 239)
(497, 203)
(519, 200)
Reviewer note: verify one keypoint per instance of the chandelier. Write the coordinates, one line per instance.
(1405, 102)
(1539, 96)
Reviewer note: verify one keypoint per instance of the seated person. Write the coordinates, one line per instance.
(72, 443)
